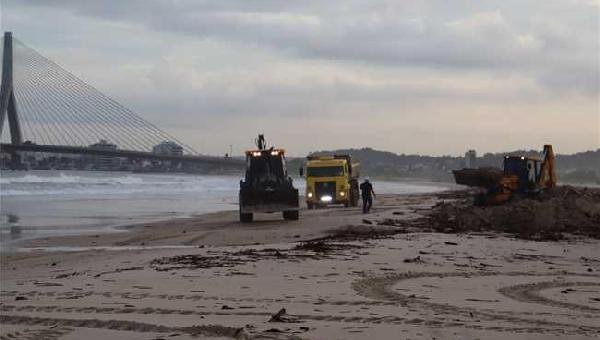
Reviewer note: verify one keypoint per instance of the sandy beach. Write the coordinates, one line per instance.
(307, 170)
(334, 274)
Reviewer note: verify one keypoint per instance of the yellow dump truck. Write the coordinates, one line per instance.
(331, 180)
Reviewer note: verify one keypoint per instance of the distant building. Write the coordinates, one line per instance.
(104, 162)
(471, 159)
(168, 148)
(103, 144)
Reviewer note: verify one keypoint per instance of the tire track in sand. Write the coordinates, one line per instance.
(440, 322)
(123, 310)
(71, 295)
(530, 293)
(191, 297)
(380, 288)
(122, 325)
(50, 333)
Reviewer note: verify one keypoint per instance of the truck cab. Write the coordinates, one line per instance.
(331, 180)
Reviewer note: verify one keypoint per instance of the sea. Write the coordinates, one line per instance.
(49, 203)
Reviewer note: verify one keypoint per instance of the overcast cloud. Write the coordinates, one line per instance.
(433, 77)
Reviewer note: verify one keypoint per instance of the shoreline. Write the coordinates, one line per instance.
(193, 230)
(95, 219)
(29, 236)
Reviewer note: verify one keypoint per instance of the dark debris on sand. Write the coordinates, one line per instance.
(359, 232)
(321, 246)
(549, 215)
(313, 249)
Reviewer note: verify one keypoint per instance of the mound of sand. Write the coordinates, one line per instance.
(547, 216)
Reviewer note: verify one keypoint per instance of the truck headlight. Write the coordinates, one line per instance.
(326, 198)
(309, 195)
(342, 193)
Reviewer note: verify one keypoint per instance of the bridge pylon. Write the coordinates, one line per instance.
(8, 102)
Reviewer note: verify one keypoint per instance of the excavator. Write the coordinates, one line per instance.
(521, 175)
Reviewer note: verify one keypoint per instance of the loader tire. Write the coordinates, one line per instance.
(291, 215)
(246, 217)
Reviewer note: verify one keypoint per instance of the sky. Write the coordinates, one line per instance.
(431, 77)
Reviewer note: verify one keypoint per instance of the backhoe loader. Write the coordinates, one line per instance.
(521, 175)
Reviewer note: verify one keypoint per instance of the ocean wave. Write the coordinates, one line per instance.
(63, 178)
(114, 183)
(111, 191)
(61, 183)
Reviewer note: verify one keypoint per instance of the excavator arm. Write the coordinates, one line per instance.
(547, 177)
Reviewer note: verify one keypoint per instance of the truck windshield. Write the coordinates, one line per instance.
(325, 171)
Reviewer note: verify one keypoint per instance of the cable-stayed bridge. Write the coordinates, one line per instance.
(50, 110)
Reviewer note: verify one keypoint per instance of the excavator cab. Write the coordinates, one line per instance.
(533, 174)
(527, 170)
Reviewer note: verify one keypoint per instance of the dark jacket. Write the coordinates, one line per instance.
(366, 189)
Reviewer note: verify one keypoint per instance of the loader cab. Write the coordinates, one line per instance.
(265, 163)
(527, 170)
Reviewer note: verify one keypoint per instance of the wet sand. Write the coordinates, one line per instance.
(212, 277)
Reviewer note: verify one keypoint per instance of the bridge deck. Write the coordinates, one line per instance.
(63, 149)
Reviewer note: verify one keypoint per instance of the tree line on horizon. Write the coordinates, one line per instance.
(580, 167)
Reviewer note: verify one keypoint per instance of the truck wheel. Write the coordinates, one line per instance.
(310, 205)
(291, 215)
(354, 193)
(246, 217)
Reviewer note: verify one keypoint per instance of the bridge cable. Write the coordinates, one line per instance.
(74, 117)
(25, 91)
(50, 103)
(130, 118)
(89, 124)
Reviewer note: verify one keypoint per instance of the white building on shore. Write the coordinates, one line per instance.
(168, 148)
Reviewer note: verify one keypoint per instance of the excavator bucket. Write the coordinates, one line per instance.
(481, 178)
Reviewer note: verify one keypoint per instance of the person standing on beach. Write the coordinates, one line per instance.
(367, 193)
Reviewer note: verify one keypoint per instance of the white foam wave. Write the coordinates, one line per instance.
(91, 183)
(112, 184)
(65, 178)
